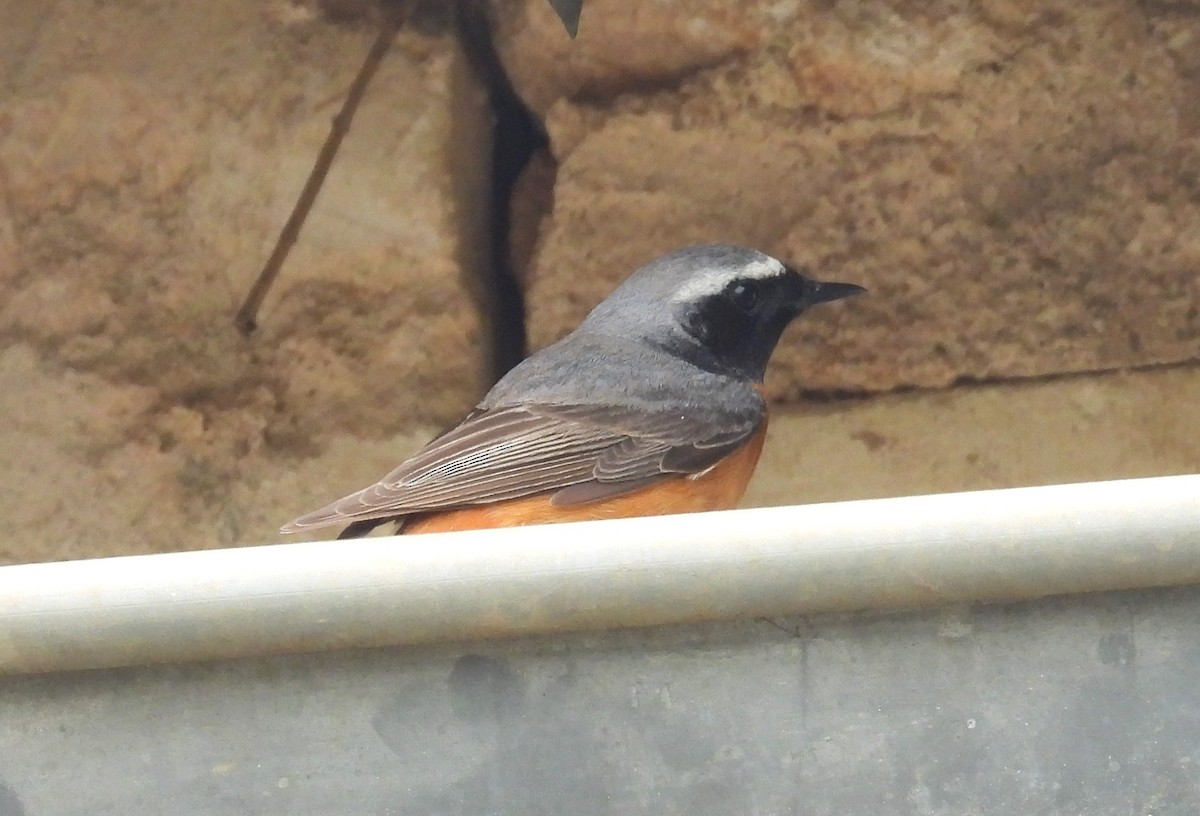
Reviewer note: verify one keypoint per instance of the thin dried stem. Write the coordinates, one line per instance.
(394, 14)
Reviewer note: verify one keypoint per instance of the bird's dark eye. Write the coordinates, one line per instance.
(744, 296)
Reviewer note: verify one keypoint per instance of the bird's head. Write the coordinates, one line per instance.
(720, 307)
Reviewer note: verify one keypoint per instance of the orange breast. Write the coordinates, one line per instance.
(720, 488)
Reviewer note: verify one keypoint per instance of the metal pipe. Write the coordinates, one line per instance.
(983, 546)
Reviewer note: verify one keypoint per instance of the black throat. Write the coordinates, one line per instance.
(723, 338)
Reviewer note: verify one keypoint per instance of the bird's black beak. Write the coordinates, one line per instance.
(820, 292)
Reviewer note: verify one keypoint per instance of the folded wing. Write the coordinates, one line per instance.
(580, 453)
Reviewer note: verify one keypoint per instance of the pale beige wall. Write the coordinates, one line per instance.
(149, 153)
(1017, 183)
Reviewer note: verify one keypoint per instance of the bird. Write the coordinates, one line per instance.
(652, 406)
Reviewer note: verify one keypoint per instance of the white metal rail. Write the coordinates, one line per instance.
(982, 546)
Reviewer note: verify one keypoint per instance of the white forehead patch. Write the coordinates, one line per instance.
(713, 281)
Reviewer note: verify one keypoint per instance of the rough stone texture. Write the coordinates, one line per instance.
(1017, 183)
(148, 157)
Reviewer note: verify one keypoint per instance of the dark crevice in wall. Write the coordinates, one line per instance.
(517, 137)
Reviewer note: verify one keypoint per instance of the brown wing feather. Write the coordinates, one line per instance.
(512, 452)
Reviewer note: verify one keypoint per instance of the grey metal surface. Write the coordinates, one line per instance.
(1086, 704)
(991, 545)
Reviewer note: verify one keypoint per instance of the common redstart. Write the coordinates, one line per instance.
(651, 406)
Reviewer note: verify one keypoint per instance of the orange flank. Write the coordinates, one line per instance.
(721, 487)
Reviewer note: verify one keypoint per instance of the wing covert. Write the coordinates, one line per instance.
(511, 452)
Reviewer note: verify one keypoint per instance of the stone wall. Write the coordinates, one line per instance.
(148, 157)
(1018, 183)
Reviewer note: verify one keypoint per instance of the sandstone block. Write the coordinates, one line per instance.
(148, 158)
(1015, 182)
